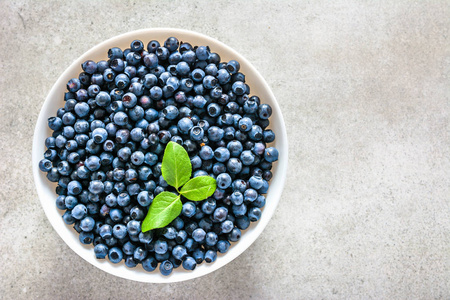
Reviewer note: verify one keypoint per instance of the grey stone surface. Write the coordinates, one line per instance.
(364, 88)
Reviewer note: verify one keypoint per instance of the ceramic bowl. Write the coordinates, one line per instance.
(46, 189)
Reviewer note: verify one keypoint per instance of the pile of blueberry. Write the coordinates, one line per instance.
(108, 140)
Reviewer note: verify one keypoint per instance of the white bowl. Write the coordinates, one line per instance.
(46, 189)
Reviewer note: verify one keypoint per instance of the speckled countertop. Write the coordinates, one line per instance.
(364, 90)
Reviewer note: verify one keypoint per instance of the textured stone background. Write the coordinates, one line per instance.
(364, 89)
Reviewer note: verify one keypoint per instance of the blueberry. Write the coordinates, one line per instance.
(162, 53)
(247, 157)
(134, 227)
(215, 134)
(146, 237)
(256, 133)
(219, 194)
(116, 214)
(223, 180)
(130, 262)
(123, 199)
(271, 154)
(161, 247)
(81, 95)
(115, 255)
(67, 218)
(55, 123)
(205, 223)
(211, 69)
(196, 133)
(169, 232)
(182, 68)
(237, 198)
(124, 154)
(190, 244)
(136, 46)
(199, 101)
(152, 46)
(60, 202)
(172, 84)
(196, 162)
(254, 214)
(171, 44)
(220, 214)
(250, 106)
(166, 268)
(87, 224)
(164, 136)
(64, 168)
(120, 118)
(179, 252)
(234, 235)
(89, 66)
(70, 202)
(111, 242)
(199, 235)
(150, 158)
(74, 188)
(206, 153)
(209, 82)
(45, 165)
(100, 250)
(188, 55)
(140, 254)
(144, 199)
(234, 165)
(239, 210)
(245, 124)
(73, 85)
(211, 238)
(118, 65)
(137, 158)
(188, 209)
(186, 85)
(233, 66)
(156, 93)
(264, 188)
(256, 182)
(105, 231)
(199, 89)
(79, 211)
(198, 254)
(119, 231)
(222, 154)
(189, 263)
(250, 195)
(264, 111)
(209, 206)
(108, 76)
(229, 133)
(210, 256)
(149, 264)
(181, 236)
(86, 237)
(226, 226)
(170, 112)
(202, 53)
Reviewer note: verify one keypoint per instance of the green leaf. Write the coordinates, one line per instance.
(165, 208)
(199, 188)
(176, 166)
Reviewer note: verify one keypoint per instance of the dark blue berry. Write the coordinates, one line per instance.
(115, 255)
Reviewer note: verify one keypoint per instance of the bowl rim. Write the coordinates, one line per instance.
(241, 246)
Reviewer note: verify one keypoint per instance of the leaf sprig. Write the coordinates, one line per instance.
(176, 170)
